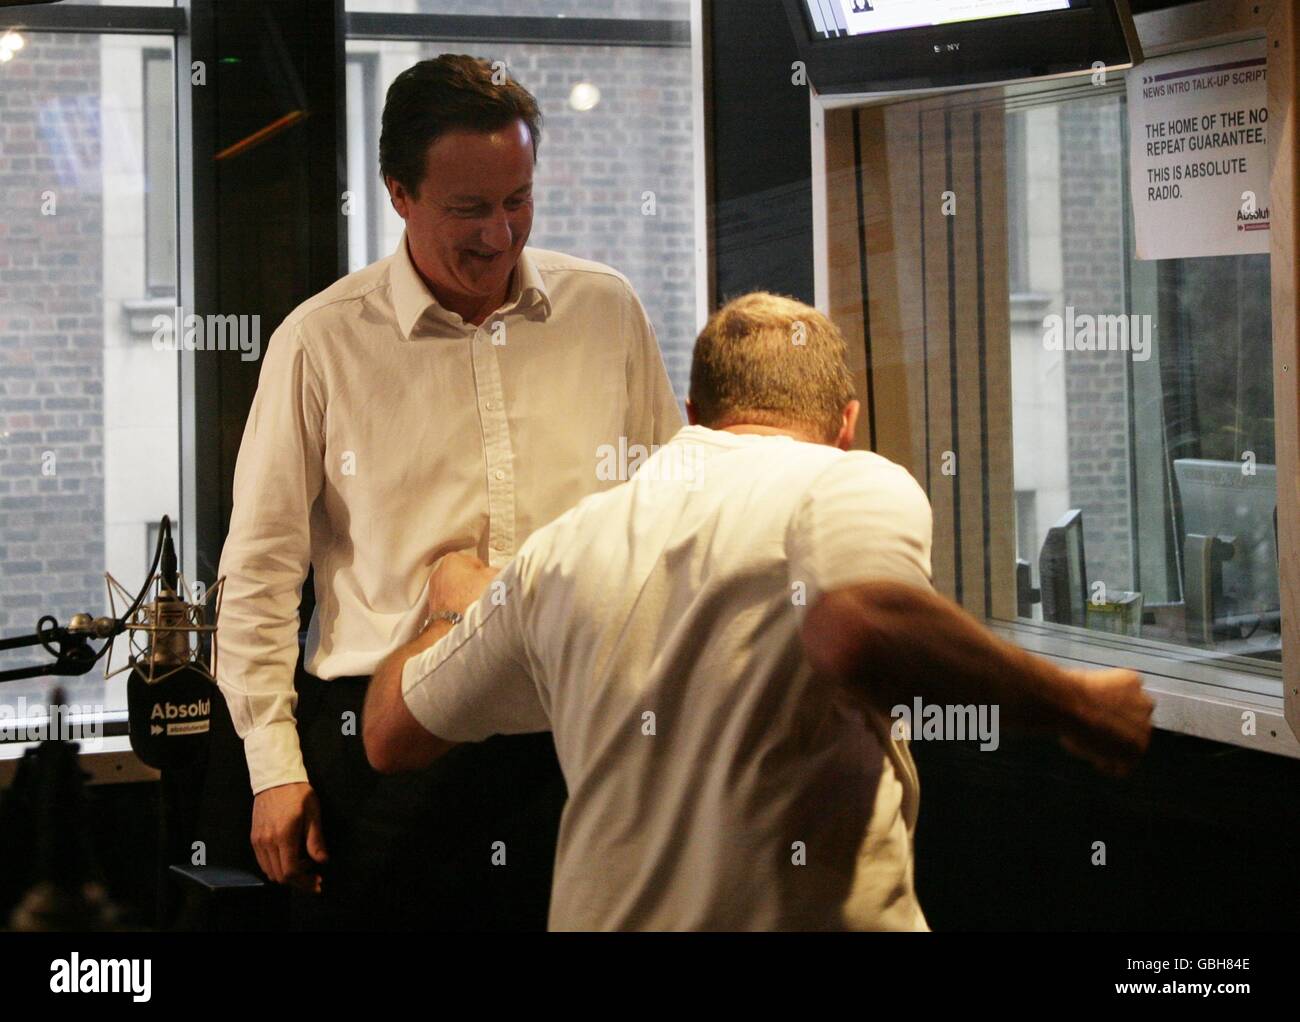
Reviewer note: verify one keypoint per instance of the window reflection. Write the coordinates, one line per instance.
(1145, 478)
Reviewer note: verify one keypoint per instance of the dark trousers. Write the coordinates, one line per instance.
(467, 844)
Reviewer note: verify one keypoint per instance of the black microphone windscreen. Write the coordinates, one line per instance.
(169, 719)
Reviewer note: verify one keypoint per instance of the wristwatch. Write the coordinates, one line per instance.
(453, 616)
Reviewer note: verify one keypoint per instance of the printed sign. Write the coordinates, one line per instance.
(1198, 135)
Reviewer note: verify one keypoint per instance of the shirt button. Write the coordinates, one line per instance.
(500, 474)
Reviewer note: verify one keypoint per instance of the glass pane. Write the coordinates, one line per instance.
(89, 421)
(1143, 406)
(652, 9)
(614, 173)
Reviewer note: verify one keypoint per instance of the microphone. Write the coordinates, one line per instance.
(169, 690)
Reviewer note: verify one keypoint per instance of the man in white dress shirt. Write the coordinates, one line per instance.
(452, 397)
(717, 646)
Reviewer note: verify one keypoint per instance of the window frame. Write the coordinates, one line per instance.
(191, 26)
(1194, 695)
(114, 761)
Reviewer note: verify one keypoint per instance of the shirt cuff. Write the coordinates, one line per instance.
(274, 756)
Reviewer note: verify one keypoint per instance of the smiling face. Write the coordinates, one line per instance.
(472, 217)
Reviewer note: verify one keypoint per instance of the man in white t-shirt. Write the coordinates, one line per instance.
(716, 645)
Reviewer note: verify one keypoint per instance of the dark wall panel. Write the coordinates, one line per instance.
(760, 153)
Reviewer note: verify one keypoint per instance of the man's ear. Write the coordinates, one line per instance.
(691, 418)
(398, 196)
(848, 425)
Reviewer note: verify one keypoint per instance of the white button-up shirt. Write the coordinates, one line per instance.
(715, 781)
(387, 431)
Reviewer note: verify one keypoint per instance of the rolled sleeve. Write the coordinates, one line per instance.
(477, 681)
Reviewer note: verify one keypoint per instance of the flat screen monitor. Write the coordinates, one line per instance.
(1220, 499)
(868, 46)
(1063, 572)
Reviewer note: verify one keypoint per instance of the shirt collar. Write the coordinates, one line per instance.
(412, 298)
(722, 438)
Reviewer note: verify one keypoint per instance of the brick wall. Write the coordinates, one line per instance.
(51, 342)
(1093, 261)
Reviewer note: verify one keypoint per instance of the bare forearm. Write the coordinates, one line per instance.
(901, 642)
(387, 679)
(393, 739)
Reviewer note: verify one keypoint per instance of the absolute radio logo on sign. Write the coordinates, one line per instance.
(1256, 220)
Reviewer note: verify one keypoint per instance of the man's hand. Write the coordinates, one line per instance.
(1111, 728)
(457, 581)
(287, 836)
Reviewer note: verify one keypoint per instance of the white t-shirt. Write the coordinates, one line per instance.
(714, 781)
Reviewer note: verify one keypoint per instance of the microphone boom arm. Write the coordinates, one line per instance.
(74, 655)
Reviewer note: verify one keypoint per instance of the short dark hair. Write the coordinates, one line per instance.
(435, 96)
